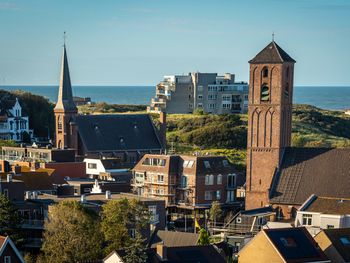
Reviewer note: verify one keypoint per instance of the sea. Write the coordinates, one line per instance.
(325, 97)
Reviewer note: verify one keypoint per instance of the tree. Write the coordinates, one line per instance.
(10, 220)
(215, 211)
(26, 137)
(203, 237)
(117, 217)
(71, 234)
(136, 252)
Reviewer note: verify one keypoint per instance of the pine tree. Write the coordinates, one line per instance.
(136, 252)
(203, 237)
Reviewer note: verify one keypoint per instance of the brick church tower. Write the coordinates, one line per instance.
(269, 120)
(65, 109)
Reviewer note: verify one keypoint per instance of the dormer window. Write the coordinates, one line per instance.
(265, 72)
(265, 93)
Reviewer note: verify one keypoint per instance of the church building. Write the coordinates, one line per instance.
(278, 174)
(122, 137)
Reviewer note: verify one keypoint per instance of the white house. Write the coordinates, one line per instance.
(319, 213)
(12, 123)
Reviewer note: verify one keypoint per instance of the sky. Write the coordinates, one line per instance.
(137, 42)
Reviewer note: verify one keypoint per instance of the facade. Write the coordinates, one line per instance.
(12, 123)
(335, 243)
(8, 251)
(121, 136)
(319, 213)
(282, 245)
(190, 182)
(206, 91)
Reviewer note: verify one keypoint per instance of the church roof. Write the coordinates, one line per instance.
(272, 53)
(65, 95)
(307, 171)
(117, 132)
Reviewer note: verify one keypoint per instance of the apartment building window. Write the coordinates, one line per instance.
(188, 164)
(230, 196)
(209, 179)
(212, 105)
(219, 179)
(231, 180)
(207, 164)
(208, 195)
(200, 88)
(307, 220)
(218, 195)
(92, 165)
(226, 97)
(183, 181)
(226, 105)
(225, 163)
(212, 97)
(190, 105)
(160, 178)
(200, 105)
(212, 88)
(139, 178)
(200, 97)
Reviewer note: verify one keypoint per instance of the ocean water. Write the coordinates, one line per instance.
(333, 98)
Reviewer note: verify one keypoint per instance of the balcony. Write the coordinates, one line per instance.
(33, 224)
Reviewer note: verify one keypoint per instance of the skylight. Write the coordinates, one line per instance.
(345, 240)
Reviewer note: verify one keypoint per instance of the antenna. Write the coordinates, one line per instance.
(273, 36)
(64, 38)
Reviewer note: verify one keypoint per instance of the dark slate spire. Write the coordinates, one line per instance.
(65, 96)
(272, 53)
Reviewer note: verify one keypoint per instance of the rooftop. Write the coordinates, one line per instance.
(329, 205)
(340, 239)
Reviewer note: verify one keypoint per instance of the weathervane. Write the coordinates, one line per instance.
(273, 36)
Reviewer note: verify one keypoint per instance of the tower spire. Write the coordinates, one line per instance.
(65, 95)
(64, 38)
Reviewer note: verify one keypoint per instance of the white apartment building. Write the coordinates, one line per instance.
(207, 91)
(319, 213)
(12, 123)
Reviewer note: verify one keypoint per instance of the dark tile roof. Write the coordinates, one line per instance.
(295, 244)
(335, 236)
(192, 254)
(257, 211)
(272, 53)
(329, 205)
(173, 239)
(117, 132)
(307, 171)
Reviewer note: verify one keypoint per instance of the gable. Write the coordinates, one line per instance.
(118, 132)
(8, 248)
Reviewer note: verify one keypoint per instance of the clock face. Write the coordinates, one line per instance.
(265, 93)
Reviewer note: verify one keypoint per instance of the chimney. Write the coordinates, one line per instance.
(162, 251)
(162, 129)
(108, 194)
(9, 178)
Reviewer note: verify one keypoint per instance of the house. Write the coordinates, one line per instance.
(319, 213)
(278, 174)
(12, 123)
(335, 243)
(173, 239)
(125, 137)
(188, 254)
(288, 245)
(8, 251)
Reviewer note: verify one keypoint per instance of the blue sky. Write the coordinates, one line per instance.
(136, 42)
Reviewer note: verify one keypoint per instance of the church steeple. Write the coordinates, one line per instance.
(65, 96)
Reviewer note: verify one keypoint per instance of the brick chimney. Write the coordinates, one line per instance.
(162, 129)
(162, 251)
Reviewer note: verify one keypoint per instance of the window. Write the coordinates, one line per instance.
(219, 179)
(230, 196)
(200, 88)
(239, 220)
(200, 97)
(209, 179)
(208, 195)
(307, 220)
(6, 193)
(225, 163)
(231, 181)
(212, 97)
(200, 105)
(92, 165)
(160, 178)
(218, 195)
(286, 90)
(226, 97)
(206, 164)
(87, 190)
(132, 232)
(212, 105)
(288, 241)
(7, 259)
(183, 181)
(345, 240)
(59, 123)
(226, 105)
(330, 226)
(265, 93)
(265, 72)
(212, 88)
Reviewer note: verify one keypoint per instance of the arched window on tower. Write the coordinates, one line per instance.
(59, 123)
(265, 72)
(265, 93)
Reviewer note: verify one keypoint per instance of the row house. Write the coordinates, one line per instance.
(189, 182)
